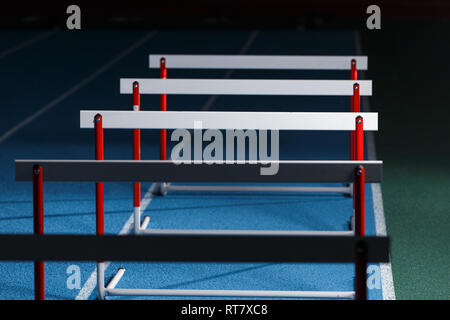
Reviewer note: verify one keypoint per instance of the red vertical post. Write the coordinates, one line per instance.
(356, 98)
(359, 156)
(99, 186)
(359, 139)
(353, 76)
(355, 107)
(361, 270)
(163, 107)
(136, 144)
(353, 70)
(360, 223)
(38, 228)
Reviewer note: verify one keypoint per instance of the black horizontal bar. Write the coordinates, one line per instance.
(193, 248)
(161, 171)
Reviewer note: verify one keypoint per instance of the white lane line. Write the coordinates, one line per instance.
(91, 283)
(387, 280)
(77, 87)
(229, 73)
(27, 43)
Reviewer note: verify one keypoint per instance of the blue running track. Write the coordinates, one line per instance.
(81, 70)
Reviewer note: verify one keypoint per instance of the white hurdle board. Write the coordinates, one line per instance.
(246, 87)
(325, 121)
(280, 62)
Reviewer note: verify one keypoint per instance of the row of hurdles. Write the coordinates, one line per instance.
(353, 173)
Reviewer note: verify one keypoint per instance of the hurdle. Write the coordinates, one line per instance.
(357, 250)
(278, 242)
(331, 121)
(259, 62)
(242, 87)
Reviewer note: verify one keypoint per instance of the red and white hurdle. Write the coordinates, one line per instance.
(245, 87)
(259, 62)
(359, 172)
(229, 120)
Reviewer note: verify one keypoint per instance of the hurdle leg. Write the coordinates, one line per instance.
(361, 246)
(353, 76)
(101, 295)
(359, 202)
(361, 270)
(38, 226)
(99, 203)
(356, 107)
(136, 156)
(162, 187)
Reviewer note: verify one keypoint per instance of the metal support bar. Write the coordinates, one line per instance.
(205, 232)
(294, 189)
(232, 293)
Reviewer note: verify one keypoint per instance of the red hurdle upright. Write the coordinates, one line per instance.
(99, 186)
(360, 271)
(353, 76)
(38, 228)
(359, 180)
(99, 197)
(163, 107)
(359, 206)
(136, 156)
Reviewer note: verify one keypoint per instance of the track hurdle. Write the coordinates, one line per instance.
(243, 87)
(357, 250)
(325, 121)
(280, 248)
(261, 62)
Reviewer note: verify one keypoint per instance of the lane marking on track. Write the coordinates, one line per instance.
(229, 73)
(91, 283)
(77, 87)
(387, 280)
(27, 43)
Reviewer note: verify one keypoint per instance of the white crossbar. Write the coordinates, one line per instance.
(246, 87)
(229, 120)
(186, 61)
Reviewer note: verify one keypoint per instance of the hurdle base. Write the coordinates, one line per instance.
(161, 188)
(115, 279)
(111, 290)
(145, 223)
(346, 190)
(246, 232)
(231, 293)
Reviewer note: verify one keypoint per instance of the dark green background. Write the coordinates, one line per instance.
(409, 62)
